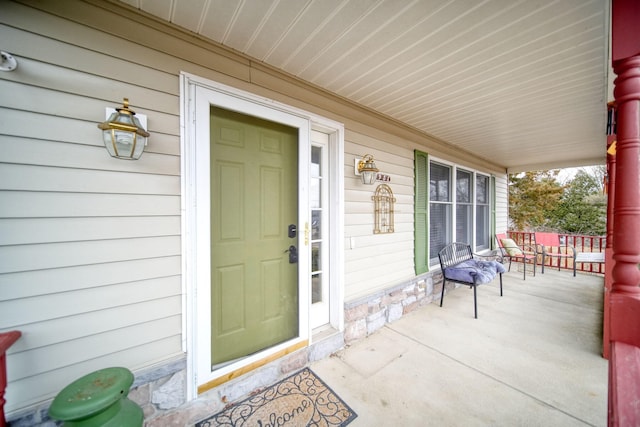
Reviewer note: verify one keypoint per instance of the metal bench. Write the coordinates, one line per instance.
(459, 265)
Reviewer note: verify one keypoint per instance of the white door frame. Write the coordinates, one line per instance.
(195, 221)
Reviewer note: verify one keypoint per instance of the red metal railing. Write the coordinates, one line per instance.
(581, 243)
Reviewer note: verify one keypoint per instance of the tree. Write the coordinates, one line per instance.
(532, 196)
(582, 209)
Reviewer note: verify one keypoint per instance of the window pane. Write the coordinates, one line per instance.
(315, 192)
(439, 229)
(316, 156)
(482, 189)
(439, 185)
(315, 257)
(316, 224)
(464, 223)
(439, 213)
(482, 227)
(316, 288)
(463, 186)
(316, 177)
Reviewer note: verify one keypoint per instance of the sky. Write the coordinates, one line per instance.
(568, 173)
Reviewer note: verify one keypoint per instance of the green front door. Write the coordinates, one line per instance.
(254, 276)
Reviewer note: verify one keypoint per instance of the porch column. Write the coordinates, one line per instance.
(625, 54)
(624, 298)
(624, 364)
(626, 210)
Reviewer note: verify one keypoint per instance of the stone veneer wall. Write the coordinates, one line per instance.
(366, 315)
(161, 391)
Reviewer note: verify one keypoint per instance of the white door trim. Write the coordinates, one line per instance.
(195, 222)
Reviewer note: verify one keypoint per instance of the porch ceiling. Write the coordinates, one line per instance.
(522, 83)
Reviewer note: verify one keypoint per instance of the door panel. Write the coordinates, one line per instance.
(254, 186)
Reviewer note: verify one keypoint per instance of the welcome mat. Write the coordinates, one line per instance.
(300, 400)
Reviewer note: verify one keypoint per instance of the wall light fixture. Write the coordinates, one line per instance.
(123, 135)
(367, 169)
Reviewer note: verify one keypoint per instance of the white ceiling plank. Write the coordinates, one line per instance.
(247, 22)
(302, 30)
(508, 63)
(276, 28)
(189, 13)
(373, 50)
(379, 18)
(218, 19)
(339, 21)
(160, 8)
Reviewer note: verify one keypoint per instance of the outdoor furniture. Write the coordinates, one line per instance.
(547, 242)
(510, 250)
(458, 265)
(590, 257)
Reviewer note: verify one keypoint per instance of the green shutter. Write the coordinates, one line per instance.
(421, 213)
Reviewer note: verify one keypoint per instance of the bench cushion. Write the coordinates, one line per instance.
(474, 271)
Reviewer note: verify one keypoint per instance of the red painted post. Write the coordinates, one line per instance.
(624, 372)
(624, 308)
(6, 340)
(626, 208)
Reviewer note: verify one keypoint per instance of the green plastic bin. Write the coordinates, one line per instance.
(98, 399)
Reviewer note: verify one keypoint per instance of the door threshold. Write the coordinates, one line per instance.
(251, 366)
(323, 332)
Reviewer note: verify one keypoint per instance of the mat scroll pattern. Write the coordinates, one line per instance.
(302, 399)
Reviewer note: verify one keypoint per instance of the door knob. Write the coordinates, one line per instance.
(293, 254)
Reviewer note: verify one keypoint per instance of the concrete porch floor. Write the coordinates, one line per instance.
(532, 358)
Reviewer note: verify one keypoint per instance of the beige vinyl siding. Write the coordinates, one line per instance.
(502, 203)
(90, 245)
(377, 260)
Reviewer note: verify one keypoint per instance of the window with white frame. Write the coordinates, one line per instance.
(464, 206)
(456, 209)
(440, 208)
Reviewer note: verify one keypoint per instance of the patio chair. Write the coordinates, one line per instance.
(510, 250)
(459, 265)
(546, 242)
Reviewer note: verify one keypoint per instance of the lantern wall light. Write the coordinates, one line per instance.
(123, 133)
(366, 169)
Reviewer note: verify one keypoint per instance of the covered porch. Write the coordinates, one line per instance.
(488, 88)
(533, 357)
